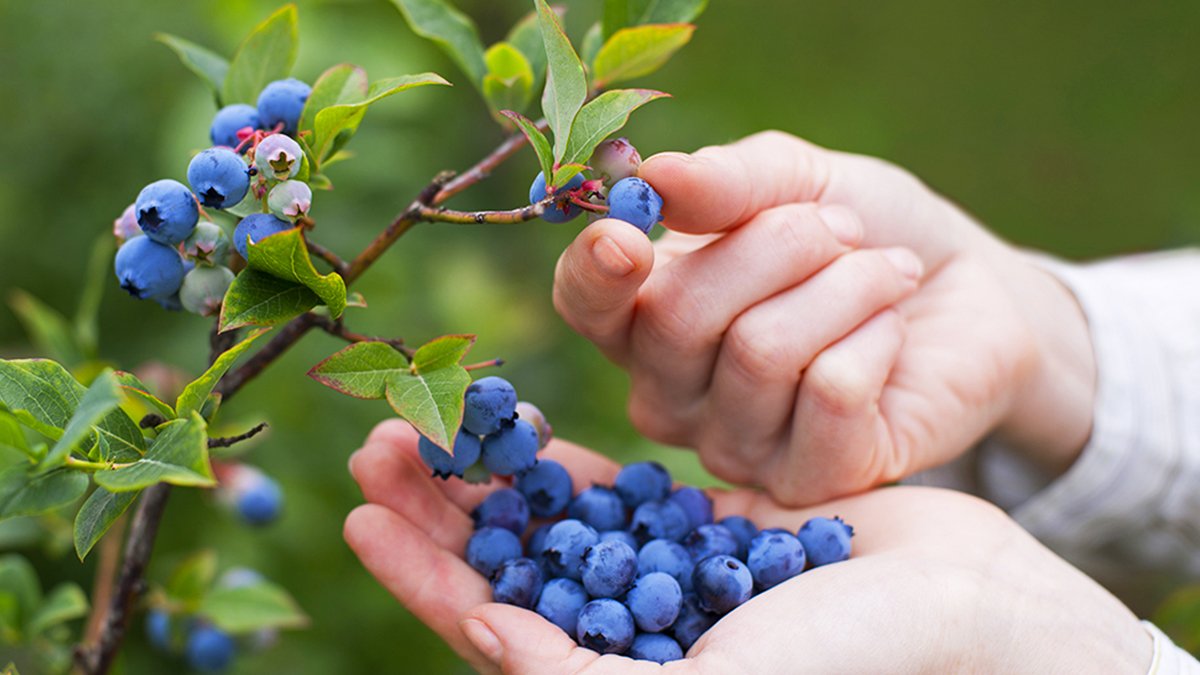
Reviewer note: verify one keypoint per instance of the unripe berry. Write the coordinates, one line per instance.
(229, 121)
(282, 101)
(204, 289)
(278, 157)
(126, 227)
(290, 200)
(166, 211)
(530, 413)
(614, 160)
(219, 176)
(256, 227)
(208, 243)
(148, 269)
(555, 213)
(635, 202)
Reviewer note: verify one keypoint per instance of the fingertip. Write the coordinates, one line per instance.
(359, 524)
(618, 250)
(394, 430)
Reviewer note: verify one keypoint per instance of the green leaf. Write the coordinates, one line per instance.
(343, 83)
(48, 330)
(19, 580)
(566, 83)
(565, 172)
(593, 39)
(192, 578)
(617, 15)
(97, 402)
(135, 389)
(450, 29)
(671, 11)
(12, 437)
(246, 609)
(194, 394)
(24, 493)
(120, 438)
(541, 146)
(526, 35)
(179, 455)
(40, 393)
(259, 299)
(444, 352)
(634, 52)
(266, 55)
(87, 315)
(285, 256)
(208, 66)
(361, 370)
(508, 84)
(602, 116)
(64, 603)
(97, 515)
(333, 121)
(430, 396)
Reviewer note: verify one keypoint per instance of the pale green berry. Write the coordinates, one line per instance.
(204, 289)
(530, 413)
(278, 157)
(208, 244)
(290, 200)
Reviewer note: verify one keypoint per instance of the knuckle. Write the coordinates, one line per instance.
(838, 385)
(754, 348)
(669, 310)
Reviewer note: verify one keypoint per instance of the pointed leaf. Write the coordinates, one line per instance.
(23, 493)
(87, 315)
(19, 580)
(566, 83)
(450, 29)
(361, 370)
(442, 352)
(617, 14)
(96, 403)
(246, 609)
(40, 393)
(508, 84)
(48, 329)
(266, 55)
(593, 39)
(192, 578)
(602, 116)
(638, 51)
(97, 515)
(193, 395)
(344, 118)
(343, 83)
(541, 146)
(564, 173)
(179, 455)
(12, 437)
(285, 256)
(433, 402)
(120, 438)
(671, 11)
(259, 299)
(64, 603)
(207, 65)
(135, 389)
(526, 35)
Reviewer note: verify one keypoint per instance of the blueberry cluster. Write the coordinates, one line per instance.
(628, 197)
(170, 251)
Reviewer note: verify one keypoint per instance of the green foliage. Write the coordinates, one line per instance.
(135, 391)
(63, 603)
(287, 284)
(48, 329)
(246, 609)
(96, 403)
(192, 578)
(621, 13)
(24, 491)
(211, 68)
(526, 35)
(97, 515)
(537, 140)
(508, 84)
(566, 83)
(602, 116)
(361, 370)
(178, 455)
(335, 124)
(196, 393)
(267, 54)
(638, 51)
(452, 31)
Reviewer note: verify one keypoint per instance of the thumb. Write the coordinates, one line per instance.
(520, 641)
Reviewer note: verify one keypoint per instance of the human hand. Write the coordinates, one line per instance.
(781, 331)
(938, 582)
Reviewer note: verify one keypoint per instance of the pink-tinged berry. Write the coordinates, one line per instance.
(615, 159)
(126, 227)
(290, 200)
(278, 157)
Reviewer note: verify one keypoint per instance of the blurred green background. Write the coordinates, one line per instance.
(1064, 126)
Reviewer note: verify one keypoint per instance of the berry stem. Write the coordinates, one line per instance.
(338, 329)
(229, 441)
(493, 363)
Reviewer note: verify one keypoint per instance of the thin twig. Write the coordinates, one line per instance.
(328, 256)
(338, 329)
(492, 363)
(229, 441)
(484, 167)
(106, 575)
(521, 215)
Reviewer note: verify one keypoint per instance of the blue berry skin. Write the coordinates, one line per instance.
(620, 535)
(642, 482)
(256, 227)
(659, 520)
(489, 401)
(260, 502)
(663, 555)
(147, 269)
(655, 647)
(490, 547)
(722, 582)
(696, 504)
(635, 202)
(826, 540)
(609, 569)
(565, 544)
(511, 450)
(537, 541)
(230, 120)
(774, 558)
(505, 508)
(517, 582)
(743, 530)
(547, 487)
(158, 629)
(166, 211)
(443, 465)
(693, 621)
(209, 649)
(709, 540)
(599, 507)
(219, 177)
(560, 603)
(282, 101)
(605, 626)
(654, 601)
(555, 214)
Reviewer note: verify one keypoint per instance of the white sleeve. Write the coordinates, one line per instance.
(1169, 659)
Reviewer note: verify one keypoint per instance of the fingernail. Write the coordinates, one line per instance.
(843, 223)
(905, 261)
(350, 462)
(482, 638)
(611, 259)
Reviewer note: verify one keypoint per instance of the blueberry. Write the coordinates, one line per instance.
(659, 520)
(664, 555)
(148, 269)
(256, 227)
(491, 546)
(207, 243)
(511, 450)
(240, 577)
(488, 402)
(290, 200)
(635, 202)
(826, 540)
(466, 453)
(259, 499)
(555, 213)
(278, 157)
(642, 482)
(517, 582)
(620, 535)
(774, 558)
(722, 582)
(230, 120)
(209, 649)
(282, 101)
(166, 211)
(547, 486)
(505, 508)
(743, 530)
(605, 626)
(204, 288)
(565, 545)
(599, 507)
(696, 504)
(614, 160)
(530, 413)
(655, 647)
(158, 629)
(693, 621)
(654, 601)
(609, 569)
(126, 227)
(560, 603)
(709, 540)
(219, 177)
(537, 541)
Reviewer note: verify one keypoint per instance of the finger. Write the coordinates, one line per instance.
(758, 369)
(596, 282)
(520, 641)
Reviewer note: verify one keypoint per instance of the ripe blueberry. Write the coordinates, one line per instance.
(560, 603)
(466, 454)
(564, 546)
(259, 498)
(491, 546)
(722, 582)
(709, 540)
(547, 487)
(642, 482)
(158, 629)
(555, 213)
(511, 450)
(282, 101)
(655, 647)
(230, 120)
(609, 569)
(166, 211)
(620, 535)
(605, 626)
(505, 508)
(664, 555)
(517, 582)
(774, 558)
(219, 176)
(654, 601)
(743, 530)
(148, 269)
(209, 649)
(659, 520)
(693, 621)
(488, 402)
(635, 202)
(696, 505)
(826, 540)
(599, 507)
(256, 227)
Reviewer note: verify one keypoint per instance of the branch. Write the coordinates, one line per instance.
(338, 329)
(485, 166)
(521, 215)
(283, 339)
(340, 266)
(228, 441)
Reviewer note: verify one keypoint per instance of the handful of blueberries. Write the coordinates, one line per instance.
(638, 568)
